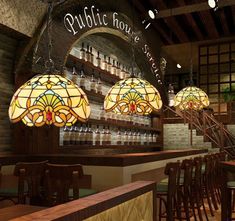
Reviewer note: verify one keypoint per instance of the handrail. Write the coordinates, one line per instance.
(209, 126)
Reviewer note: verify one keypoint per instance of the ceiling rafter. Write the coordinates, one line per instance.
(191, 21)
(187, 9)
(162, 32)
(224, 23)
(171, 22)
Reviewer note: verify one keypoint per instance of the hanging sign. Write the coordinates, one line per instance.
(92, 17)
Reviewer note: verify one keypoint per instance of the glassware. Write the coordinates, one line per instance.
(82, 52)
(82, 79)
(119, 137)
(97, 136)
(66, 136)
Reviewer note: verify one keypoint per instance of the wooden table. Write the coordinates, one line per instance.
(226, 205)
(17, 211)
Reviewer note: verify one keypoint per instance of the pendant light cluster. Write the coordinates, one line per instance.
(49, 98)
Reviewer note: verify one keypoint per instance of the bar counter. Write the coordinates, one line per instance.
(113, 170)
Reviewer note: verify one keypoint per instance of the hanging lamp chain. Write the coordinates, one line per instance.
(49, 63)
(191, 66)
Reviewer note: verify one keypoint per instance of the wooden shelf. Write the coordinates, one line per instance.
(94, 96)
(104, 75)
(123, 125)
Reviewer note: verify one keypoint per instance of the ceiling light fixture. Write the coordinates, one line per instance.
(178, 66)
(49, 98)
(213, 4)
(151, 14)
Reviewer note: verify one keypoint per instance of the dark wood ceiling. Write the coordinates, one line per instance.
(181, 21)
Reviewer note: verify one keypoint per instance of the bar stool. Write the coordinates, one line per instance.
(167, 192)
(62, 184)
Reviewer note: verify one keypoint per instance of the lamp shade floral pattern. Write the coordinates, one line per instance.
(191, 98)
(49, 99)
(132, 96)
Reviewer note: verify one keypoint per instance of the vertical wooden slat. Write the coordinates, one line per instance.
(7, 55)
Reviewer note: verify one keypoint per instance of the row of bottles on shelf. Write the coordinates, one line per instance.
(87, 82)
(88, 135)
(104, 62)
(99, 113)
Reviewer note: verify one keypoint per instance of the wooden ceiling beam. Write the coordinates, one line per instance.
(162, 32)
(187, 9)
(224, 23)
(192, 22)
(171, 22)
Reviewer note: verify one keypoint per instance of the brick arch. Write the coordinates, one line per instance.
(63, 41)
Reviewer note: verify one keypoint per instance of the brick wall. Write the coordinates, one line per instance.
(177, 136)
(231, 128)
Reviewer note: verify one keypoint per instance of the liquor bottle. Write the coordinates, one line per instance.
(102, 113)
(91, 56)
(99, 86)
(97, 136)
(88, 53)
(103, 137)
(82, 52)
(93, 82)
(66, 136)
(98, 60)
(114, 68)
(125, 138)
(119, 137)
(145, 138)
(122, 72)
(82, 79)
(109, 65)
(72, 136)
(86, 135)
(130, 138)
(77, 137)
(82, 136)
(118, 69)
(74, 76)
(155, 138)
(108, 136)
(139, 138)
(104, 64)
(90, 136)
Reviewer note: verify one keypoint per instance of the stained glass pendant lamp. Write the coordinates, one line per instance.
(191, 98)
(132, 96)
(49, 98)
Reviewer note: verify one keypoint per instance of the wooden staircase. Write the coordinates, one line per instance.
(211, 129)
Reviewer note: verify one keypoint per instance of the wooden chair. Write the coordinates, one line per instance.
(167, 192)
(29, 183)
(62, 183)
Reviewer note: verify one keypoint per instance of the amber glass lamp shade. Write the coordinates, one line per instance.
(132, 96)
(49, 99)
(191, 98)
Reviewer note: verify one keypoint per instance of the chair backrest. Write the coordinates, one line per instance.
(30, 178)
(59, 180)
(198, 171)
(187, 168)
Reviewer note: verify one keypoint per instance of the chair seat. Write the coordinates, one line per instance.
(83, 192)
(9, 192)
(231, 184)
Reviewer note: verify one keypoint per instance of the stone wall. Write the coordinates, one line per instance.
(23, 16)
(177, 136)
